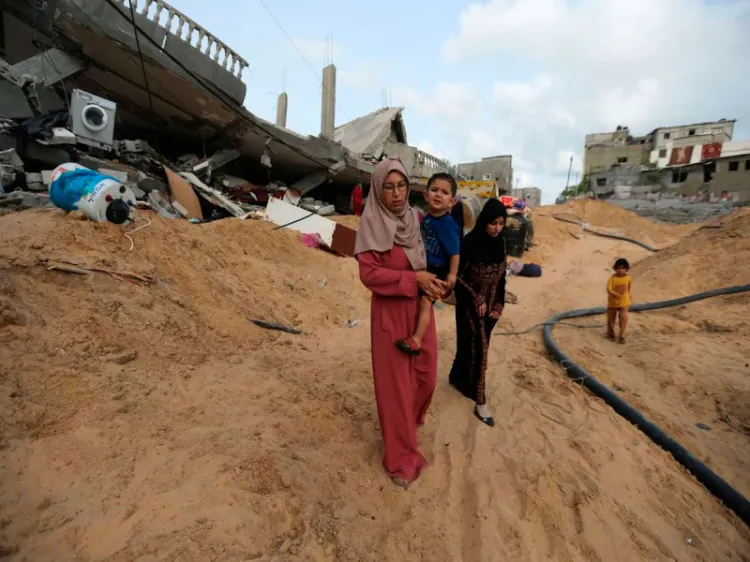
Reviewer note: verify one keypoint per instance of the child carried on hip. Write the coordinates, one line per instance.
(442, 242)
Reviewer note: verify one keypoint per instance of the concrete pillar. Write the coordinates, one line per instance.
(281, 107)
(328, 109)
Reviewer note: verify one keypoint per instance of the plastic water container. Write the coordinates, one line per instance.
(100, 197)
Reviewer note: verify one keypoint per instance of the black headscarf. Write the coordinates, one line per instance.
(480, 247)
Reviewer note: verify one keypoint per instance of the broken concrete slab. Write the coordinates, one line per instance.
(337, 237)
(44, 98)
(50, 67)
(21, 200)
(13, 102)
(132, 146)
(216, 161)
(10, 165)
(214, 196)
(59, 136)
(35, 182)
(119, 175)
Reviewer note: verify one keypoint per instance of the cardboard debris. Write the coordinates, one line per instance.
(184, 195)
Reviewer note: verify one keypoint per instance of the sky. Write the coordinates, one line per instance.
(523, 77)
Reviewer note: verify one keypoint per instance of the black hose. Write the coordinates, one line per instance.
(605, 235)
(715, 484)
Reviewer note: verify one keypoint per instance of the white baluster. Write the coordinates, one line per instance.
(159, 10)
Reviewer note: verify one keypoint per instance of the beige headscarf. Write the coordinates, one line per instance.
(379, 229)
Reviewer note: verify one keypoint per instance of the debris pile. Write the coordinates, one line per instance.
(199, 189)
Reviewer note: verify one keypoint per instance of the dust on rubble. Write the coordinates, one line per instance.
(152, 420)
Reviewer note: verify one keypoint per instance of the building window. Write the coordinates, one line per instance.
(622, 159)
(601, 182)
(663, 153)
(747, 165)
(691, 132)
(667, 135)
(679, 176)
(734, 166)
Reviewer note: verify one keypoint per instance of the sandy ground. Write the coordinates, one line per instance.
(154, 422)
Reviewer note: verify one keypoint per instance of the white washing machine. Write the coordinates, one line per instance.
(92, 119)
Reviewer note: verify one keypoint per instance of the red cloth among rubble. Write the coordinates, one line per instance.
(403, 385)
(357, 200)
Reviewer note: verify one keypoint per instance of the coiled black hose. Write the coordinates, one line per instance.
(712, 481)
(604, 234)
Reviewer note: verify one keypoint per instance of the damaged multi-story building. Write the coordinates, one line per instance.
(177, 86)
(696, 159)
(498, 169)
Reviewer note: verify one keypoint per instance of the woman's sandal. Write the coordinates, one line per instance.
(407, 346)
(487, 421)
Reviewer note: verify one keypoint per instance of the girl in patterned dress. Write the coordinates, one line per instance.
(480, 297)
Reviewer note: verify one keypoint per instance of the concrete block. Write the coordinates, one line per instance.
(13, 102)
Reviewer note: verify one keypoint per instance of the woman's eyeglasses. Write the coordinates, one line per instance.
(401, 186)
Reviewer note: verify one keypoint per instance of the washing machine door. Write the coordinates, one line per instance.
(94, 118)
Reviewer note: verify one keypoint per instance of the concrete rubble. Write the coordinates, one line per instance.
(192, 187)
(182, 142)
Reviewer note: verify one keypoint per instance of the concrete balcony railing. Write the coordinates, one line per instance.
(178, 24)
(427, 161)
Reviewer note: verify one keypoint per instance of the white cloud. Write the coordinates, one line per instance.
(522, 92)
(363, 75)
(596, 64)
(455, 101)
(429, 148)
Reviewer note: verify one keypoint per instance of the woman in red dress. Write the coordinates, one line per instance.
(392, 265)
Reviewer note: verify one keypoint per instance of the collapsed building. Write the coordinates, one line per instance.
(100, 73)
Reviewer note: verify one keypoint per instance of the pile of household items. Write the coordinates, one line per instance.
(74, 147)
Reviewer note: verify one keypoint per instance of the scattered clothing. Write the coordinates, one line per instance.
(530, 270)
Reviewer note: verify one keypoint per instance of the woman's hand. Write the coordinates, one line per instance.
(482, 309)
(431, 285)
(496, 313)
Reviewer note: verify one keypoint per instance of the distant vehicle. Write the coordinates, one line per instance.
(481, 188)
(560, 200)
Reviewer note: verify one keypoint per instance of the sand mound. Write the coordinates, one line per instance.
(710, 258)
(606, 217)
(154, 422)
(207, 281)
(687, 368)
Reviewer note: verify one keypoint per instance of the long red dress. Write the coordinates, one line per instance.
(403, 384)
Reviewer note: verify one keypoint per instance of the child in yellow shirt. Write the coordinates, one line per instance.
(618, 299)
